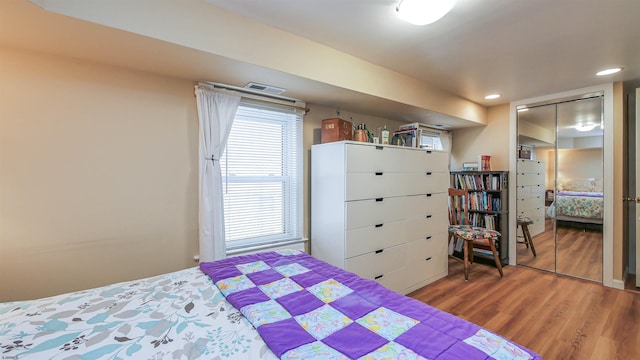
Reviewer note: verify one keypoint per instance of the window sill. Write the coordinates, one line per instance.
(247, 249)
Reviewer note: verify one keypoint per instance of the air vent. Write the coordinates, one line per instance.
(265, 88)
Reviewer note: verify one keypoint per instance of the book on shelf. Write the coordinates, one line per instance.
(483, 182)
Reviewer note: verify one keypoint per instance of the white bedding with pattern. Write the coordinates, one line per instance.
(180, 315)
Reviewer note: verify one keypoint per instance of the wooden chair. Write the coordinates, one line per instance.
(460, 228)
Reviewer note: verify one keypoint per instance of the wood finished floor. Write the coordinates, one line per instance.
(579, 252)
(556, 316)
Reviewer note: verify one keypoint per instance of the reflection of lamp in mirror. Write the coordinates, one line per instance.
(585, 127)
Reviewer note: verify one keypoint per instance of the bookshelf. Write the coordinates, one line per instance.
(489, 208)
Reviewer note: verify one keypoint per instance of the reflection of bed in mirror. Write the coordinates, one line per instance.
(578, 202)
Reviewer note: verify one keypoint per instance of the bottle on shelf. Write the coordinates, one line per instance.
(385, 135)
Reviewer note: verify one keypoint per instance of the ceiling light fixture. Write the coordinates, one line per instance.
(492, 96)
(585, 127)
(423, 12)
(609, 71)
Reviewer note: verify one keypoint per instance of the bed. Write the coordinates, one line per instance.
(578, 201)
(282, 304)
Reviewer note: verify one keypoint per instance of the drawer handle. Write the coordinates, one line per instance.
(379, 225)
(428, 195)
(379, 148)
(378, 173)
(428, 151)
(428, 172)
(428, 238)
(379, 251)
(429, 258)
(379, 199)
(378, 277)
(428, 216)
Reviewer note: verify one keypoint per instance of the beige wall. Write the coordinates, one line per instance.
(620, 258)
(98, 175)
(492, 139)
(579, 164)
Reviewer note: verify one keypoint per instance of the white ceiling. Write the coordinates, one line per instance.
(519, 48)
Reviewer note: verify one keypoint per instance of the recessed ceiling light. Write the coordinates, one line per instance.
(609, 71)
(492, 96)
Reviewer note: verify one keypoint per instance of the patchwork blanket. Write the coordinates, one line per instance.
(305, 308)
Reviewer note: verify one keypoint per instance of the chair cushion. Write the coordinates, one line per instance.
(521, 219)
(472, 232)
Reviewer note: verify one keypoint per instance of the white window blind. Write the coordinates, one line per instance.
(262, 175)
(430, 140)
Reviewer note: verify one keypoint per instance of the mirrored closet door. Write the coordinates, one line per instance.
(560, 202)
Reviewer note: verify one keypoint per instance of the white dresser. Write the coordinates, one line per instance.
(380, 211)
(530, 193)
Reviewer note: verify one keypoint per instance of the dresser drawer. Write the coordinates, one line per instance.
(530, 179)
(524, 166)
(371, 238)
(425, 204)
(379, 262)
(523, 191)
(427, 182)
(395, 280)
(425, 269)
(428, 160)
(361, 213)
(361, 186)
(421, 249)
(536, 228)
(423, 227)
(530, 203)
(538, 167)
(368, 158)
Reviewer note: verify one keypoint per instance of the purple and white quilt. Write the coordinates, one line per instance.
(305, 308)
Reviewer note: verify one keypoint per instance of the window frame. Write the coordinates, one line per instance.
(292, 182)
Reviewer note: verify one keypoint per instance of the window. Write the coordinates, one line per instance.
(262, 175)
(430, 141)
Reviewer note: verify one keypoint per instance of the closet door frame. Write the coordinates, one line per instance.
(607, 243)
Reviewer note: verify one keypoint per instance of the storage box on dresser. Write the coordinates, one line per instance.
(531, 193)
(380, 211)
(336, 129)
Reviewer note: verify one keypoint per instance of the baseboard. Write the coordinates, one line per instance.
(619, 284)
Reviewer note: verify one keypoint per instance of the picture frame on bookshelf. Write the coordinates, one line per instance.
(469, 166)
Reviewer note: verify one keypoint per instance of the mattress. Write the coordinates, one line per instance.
(179, 315)
(283, 304)
(584, 205)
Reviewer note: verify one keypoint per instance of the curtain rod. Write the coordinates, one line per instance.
(258, 96)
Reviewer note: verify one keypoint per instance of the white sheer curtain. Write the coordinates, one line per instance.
(216, 111)
(447, 141)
